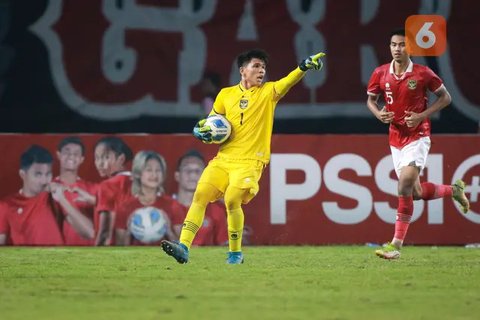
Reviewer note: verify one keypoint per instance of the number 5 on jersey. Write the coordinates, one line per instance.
(389, 96)
(426, 35)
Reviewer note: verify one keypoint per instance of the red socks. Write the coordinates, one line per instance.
(434, 191)
(404, 214)
(405, 206)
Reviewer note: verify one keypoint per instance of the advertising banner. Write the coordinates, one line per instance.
(317, 189)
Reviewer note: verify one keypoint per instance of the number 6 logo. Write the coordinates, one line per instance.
(426, 35)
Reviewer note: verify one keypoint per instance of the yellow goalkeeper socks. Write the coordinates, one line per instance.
(235, 229)
(193, 222)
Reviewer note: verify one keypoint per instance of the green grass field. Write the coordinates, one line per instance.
(336, 282)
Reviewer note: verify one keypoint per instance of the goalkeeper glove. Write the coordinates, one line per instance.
(312, 62)
(203, 132)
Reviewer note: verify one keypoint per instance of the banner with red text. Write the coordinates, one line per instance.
(114, 65)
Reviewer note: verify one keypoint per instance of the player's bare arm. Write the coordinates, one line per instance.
(443, 99)
(79, 222)
(105, 228)
(381, 114)
(84, 196)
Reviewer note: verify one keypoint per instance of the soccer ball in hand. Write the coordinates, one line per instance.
(148, 224)
(221, 128)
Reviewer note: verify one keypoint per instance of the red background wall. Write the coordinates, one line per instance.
(346, 163)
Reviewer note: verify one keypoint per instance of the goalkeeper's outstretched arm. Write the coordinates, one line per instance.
(314, 62)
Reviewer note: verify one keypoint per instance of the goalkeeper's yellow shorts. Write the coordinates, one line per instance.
(243, 174)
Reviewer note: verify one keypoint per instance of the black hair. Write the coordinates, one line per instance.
(396, 32)
(247, 56)
(35, 154)
(117, 145)
(190, 154)
(72, 140)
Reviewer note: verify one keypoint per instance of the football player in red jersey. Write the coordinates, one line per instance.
(214, 228)
(148, 177)
(80, 193)
(404, 87)
(32, 216)
(111, 157)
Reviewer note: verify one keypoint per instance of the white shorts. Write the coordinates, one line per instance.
(416, 151)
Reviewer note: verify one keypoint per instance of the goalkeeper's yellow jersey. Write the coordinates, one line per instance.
(251, 112)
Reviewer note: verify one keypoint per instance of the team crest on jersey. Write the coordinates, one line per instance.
(412, 84)
(243, 103)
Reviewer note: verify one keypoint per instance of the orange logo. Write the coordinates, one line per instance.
(426, 35)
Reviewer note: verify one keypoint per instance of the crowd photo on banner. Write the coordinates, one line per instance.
(58, 207)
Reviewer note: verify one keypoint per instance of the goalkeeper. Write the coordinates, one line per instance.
(236, 169)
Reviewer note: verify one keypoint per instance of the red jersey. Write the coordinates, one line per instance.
(128, 203)
(72, 238)
(214, 229)
(29, 221)
(108, 191)
(405, 93)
